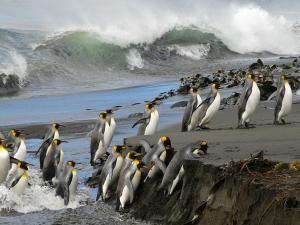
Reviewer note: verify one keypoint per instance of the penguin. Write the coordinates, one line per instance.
(129, 184)
(19, 155)
(248, 101)
(189, 152)
(67, 184)
(284, 100)
(20, 184)
(127, 161)
(97, 146)
(13, 141)
(194, 102)
(201, 151)
(5, 162)
(51, 160)
(110, 127)
(21, 148)
(207, 109)
(51, 134)
(149, 121)
(110, 172)
(60, 167)
(161, 158)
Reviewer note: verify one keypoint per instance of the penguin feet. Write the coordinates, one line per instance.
(204, 127)
(248, 125)
(283, 121)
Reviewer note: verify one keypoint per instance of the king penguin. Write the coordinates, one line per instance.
(110, 127)
(204, 113)
(160, 158)
(248, 101)
(51, 134)
(284, 99)
(5, 162)
(194, 101)
(129, 184)
(189, 152)
(20, 184)
(51, 161)
(110, 172)
(67, 184)
(97, 145)
(149, 121)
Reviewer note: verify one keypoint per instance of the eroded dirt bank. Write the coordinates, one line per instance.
(252, 192)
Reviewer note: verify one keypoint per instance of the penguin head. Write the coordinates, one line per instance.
(102, 115)
(282, 77)
(215, 86)
(119, 148)
(139, 164)
(149, 106)
(23, 165)
(71, 163)
(166, 142)
(251, 76)
(109, 111)
(204, 146)
(133, 155)
(58, 142)
(14, 133)
(193, 90)
(57, 125)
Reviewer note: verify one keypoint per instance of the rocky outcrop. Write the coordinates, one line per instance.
(9, 84)
(242, 193)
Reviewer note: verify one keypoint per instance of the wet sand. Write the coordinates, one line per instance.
(227, 143)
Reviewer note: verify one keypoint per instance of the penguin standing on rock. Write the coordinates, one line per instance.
(175, 169)
(110, 172)
(194, 101)
(284, 99)
(67, 184)
(159, 157)
(149, 122)
(248, 101)
(129, 184)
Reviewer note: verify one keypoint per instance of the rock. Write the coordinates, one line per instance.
(235, 194)
(9, 84)
(257, 65)
(286, 67)
(294, 82)
(179, 104)
(135, 115)
(266, 89)
(231, 100)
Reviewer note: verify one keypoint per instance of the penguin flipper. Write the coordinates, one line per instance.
(161, 165)
(16, 180)
(140, 121)
(130, 188)
(243, 101)
(146, 145)
(66, 194)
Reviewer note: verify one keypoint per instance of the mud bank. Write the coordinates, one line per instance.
(253, 194)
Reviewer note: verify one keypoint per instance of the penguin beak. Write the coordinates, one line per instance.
(62, 141)
(61, 125)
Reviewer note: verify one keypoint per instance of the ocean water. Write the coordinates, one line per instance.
(74, 59)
